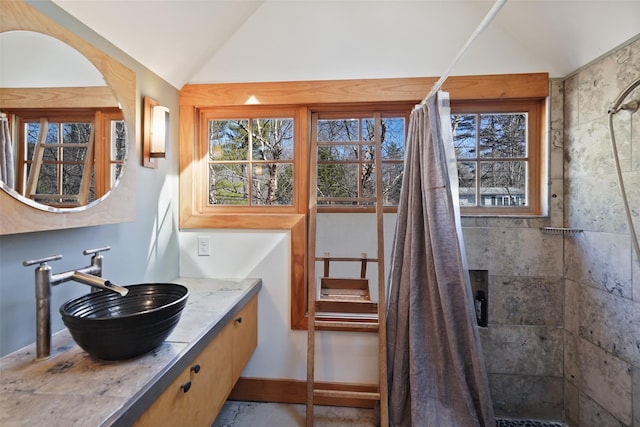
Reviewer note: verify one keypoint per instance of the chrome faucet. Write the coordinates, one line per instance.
(89, 275)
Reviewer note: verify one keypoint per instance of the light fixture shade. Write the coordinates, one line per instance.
(159, 132)
(155, 132)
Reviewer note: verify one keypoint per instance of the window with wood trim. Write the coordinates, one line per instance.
(80, 148)
(344, 141)
(248, 160)
(229, 101)
(498, 147)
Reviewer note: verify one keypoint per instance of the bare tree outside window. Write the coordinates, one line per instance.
(346, 159)
(491, 150)
(62, 161)
(67, 143)
(251, 161)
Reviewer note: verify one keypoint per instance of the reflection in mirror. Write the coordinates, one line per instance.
(64, 138)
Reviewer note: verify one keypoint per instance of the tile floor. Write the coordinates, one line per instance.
(257, 414)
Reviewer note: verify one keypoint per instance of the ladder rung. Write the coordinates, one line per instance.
(346, 259)
(65, 145)
(55, 196)
(346, 394)
(335, 324)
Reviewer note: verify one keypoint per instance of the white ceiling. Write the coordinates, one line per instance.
(213, 41)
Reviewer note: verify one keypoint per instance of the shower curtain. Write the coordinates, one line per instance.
(436, 370)
(6, 153)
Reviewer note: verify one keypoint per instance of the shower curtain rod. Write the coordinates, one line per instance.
(485, 22)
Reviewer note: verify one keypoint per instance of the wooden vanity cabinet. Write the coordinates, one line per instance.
(244, 337)
(196, 396)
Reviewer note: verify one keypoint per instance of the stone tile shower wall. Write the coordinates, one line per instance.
(523, 343)
(602, 286)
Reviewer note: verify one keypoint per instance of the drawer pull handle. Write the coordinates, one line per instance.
(195, 369)
(239, 319)
(186, 386)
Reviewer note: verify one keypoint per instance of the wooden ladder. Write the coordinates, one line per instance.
(79, 199)
(377, 325)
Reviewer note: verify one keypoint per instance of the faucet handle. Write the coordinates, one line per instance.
(41, 261)
(96, 251)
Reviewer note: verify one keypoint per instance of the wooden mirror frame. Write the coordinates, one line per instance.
(119, 204)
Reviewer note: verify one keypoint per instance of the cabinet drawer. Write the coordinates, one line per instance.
(197, 394)
(245, 336)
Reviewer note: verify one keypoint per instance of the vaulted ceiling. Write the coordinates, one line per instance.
(213, 41)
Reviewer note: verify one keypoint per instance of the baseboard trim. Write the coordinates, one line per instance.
(295, 391)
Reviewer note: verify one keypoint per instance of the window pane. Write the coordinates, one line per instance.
(391, 183)
(73, 154)
(338, 180)
(48, 180)
(116, 170)
(71, 178)
(368, 181)
(119, 140)
(50, 153)
(392, 138)
(503, 184)
(53, 135)
(337, 152)
(272, 184)
(73, 133)
(118, 148)
(464, 135)
(76, 133)
(228, 184)
(31, 133)
(368, 153)
(467, 183)
(368, 129)
(228, 140)
(503, 135)
(272, 139)
(340, 130)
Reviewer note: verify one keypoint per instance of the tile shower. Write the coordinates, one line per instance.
(563, 340)
(602, 274)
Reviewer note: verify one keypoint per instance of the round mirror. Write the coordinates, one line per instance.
(63, 143)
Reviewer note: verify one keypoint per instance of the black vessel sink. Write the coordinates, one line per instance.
(112, 327)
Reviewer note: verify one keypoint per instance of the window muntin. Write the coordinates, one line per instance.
(63, 156)
(67, 138)
(345, 144)
(530, 90)
(497, 151)
(250, 161)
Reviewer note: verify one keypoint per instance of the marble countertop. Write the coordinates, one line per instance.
(73, 389)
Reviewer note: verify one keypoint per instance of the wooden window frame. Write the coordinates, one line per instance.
(251, 112)
(307, 96)
(535, 110)
(101, 118)
(386, 109)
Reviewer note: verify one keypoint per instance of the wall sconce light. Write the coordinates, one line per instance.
(155, 132)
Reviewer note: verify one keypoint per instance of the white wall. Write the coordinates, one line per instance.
(281, 352)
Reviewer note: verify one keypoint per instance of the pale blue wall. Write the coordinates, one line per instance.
(143, 250)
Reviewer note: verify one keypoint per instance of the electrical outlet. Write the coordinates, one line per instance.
(204, 246)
